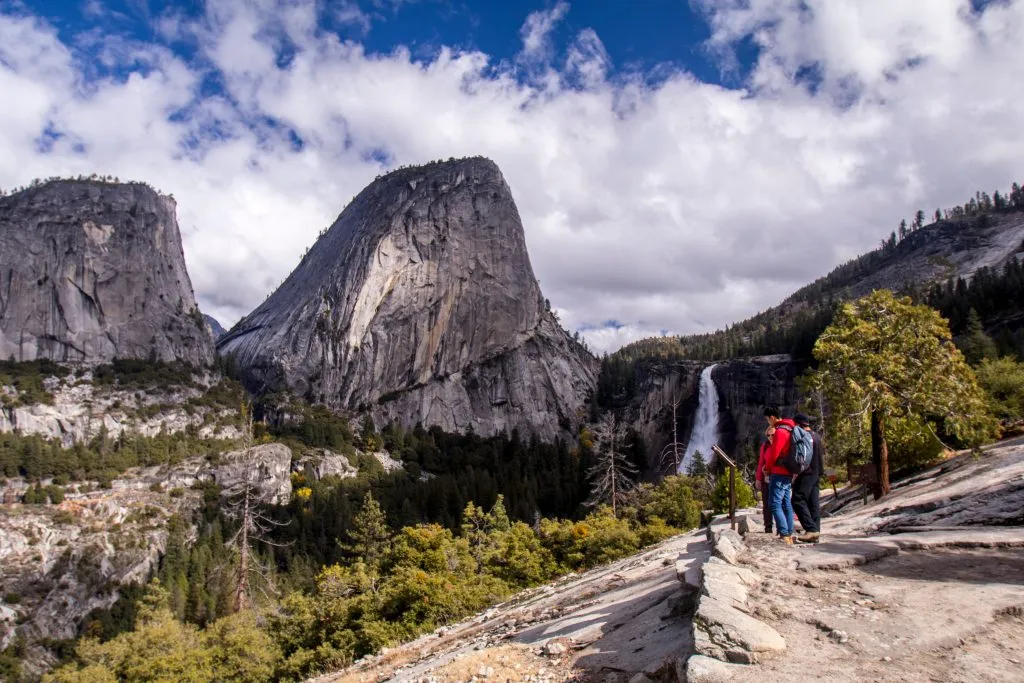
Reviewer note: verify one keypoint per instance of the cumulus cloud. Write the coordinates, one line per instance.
(680, 206)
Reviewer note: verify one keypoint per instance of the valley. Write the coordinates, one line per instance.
(400, 466)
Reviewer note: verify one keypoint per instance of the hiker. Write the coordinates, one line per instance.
(780, 487)
(805, 487)
(761, 476)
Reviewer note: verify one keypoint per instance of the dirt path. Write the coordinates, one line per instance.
(925, 615)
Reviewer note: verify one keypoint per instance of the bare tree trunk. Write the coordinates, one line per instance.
(242, 587)
(611, 455)
(675, 434)
(879, 454)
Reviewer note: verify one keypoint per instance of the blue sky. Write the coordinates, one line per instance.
(663, 153)
(638, 34)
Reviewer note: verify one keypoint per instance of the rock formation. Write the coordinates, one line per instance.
(67, 560)
(94, 271)
(79, 408)
(420, 302)
(215, 329)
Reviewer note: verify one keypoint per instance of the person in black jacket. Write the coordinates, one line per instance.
(805, 488)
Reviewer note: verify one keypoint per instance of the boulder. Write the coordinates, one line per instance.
(728, 548)
(701, 669)
(267, 468)
(725, 633)
(327, 463)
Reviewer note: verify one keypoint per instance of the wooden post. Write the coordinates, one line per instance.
(732, 483)
(732, 497)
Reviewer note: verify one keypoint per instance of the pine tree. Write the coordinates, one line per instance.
(698, 467)
(370, 533)
(885, 361)
(974, 343)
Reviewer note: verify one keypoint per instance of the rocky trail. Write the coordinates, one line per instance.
(621, 619)
(942, 599)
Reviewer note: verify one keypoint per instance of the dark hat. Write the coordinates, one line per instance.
(801, 419)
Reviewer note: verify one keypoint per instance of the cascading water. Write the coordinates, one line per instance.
(705, 424)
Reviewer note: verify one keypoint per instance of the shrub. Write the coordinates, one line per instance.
(720, 496)
(1003, 382)
(673, 501)
(55, 494)
(63, 517)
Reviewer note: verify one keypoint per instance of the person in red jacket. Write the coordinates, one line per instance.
(780, 480)
(761, 476)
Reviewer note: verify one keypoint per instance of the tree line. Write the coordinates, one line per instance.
(794, 326)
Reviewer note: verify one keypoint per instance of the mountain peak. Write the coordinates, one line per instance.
(100, 275)
(423, 278)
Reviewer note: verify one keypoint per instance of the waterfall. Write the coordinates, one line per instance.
(704, 434)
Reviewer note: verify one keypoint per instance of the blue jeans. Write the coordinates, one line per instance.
(781, 490)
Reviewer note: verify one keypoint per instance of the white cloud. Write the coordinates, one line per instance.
(536, 31)
(682, 206)
(348, 12)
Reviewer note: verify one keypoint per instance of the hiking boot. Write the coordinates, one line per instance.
(788, 540)
(809, 537)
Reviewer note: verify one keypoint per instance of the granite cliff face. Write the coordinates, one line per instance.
(420, 303)
(94, 271)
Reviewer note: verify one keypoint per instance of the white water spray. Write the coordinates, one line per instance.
(705, 424)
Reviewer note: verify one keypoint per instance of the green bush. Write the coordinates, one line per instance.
(1003, 382)
(720, 496)
(674, 501)
(63, 517)
(55, 494)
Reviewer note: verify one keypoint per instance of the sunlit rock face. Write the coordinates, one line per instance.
(420, 303)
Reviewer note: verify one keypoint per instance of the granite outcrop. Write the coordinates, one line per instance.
(420, 304)
(94, 271)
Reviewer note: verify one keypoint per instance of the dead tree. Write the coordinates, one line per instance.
(612, 475)
(672, 449)
(254, 526)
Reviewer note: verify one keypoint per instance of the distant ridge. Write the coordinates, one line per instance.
(984, 233)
